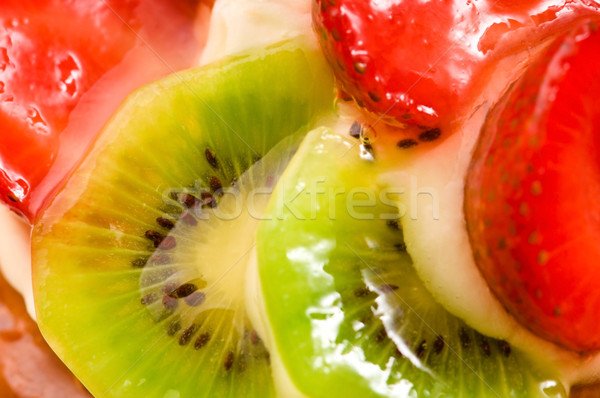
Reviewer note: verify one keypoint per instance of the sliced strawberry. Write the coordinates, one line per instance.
(64, 67)
(531, 199)
(386, 55)
(418, 62)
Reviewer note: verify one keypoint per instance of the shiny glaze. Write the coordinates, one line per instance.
(58, 87)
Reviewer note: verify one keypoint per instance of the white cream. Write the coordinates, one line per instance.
(437, 239)
(238, 25)
(15, 255)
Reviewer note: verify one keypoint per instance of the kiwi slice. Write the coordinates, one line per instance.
(139, 262)
(348, 314)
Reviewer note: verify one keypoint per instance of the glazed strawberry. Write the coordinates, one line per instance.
(531, 199)
(419, 62)
(63, 64)
(393, 57)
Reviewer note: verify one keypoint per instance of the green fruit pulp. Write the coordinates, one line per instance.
(91, 250)
(347, 312)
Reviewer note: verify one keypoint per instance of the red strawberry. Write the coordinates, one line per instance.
(531, 199)
(393, 57)
(419, 62)
(64, 67)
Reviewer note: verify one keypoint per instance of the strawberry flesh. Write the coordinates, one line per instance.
(531, 194)
(392, 58)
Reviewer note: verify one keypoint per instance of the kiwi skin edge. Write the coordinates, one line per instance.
(88, 244)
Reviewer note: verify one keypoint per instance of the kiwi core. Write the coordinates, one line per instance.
(214, 239)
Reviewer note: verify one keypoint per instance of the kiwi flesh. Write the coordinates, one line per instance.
(346, 311)
(138, 261)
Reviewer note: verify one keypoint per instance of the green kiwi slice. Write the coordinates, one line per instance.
(139, 262)
(348, 315)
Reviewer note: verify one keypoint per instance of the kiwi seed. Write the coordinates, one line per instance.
(167, 243)
(401, 247)
(211, 157)
(381, 336)
(195, 299)
(215, 184)
(361, 291)
(421, 349)
(485, 346)
(189, 219)
(229, 358)
(165, 222)
(387, 288)
(355, 130)
(139, 262)
(202, 340)
(174, 328)
(465, 339)
(438, 344)
(393, 224)
(407, 143)
(184, 290)
(188, 200)
(155, 237)
(187, 334)
(208, 200)
(504, 348)
(169, 302)
(254, 338)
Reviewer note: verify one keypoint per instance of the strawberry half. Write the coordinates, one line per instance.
(531, 199)
(392, 57)
(421, 63)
